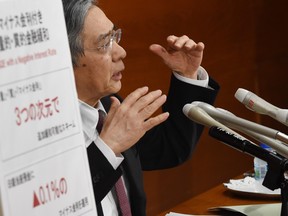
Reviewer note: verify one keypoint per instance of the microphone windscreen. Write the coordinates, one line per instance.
(241, 94)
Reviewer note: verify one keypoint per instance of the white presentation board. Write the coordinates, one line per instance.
(43, 162)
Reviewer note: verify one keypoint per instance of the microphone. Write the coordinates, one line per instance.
(277, 164)
(242, 144)
(274, 161)
(259, 105)
(278, 146)
(198, 115)
(243, 123)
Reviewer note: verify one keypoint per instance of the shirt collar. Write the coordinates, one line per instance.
(89, 117)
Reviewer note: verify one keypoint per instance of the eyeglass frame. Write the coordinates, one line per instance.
(114, 35)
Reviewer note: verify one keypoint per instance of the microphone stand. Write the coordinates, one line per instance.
(282, 184)
(277, 174)
(277, 177)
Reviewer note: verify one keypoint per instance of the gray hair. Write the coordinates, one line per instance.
(75, 12)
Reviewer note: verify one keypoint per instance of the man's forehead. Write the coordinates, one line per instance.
(96, 23)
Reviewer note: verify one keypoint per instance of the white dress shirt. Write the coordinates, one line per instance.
(89, 116)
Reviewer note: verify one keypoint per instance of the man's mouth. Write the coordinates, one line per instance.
(117, 76)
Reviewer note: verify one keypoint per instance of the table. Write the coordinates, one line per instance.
(217, 196)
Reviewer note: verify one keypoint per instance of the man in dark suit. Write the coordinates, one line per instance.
(131, 139)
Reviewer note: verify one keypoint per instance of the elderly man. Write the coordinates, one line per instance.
(131, 139)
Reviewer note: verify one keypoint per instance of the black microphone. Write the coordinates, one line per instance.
(277, 145)
(273, 160)
(241, 144)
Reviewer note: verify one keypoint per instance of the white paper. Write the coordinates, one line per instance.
(249, 210)
(177, 214)
(180, 214)
(253, 210)
(43, 162)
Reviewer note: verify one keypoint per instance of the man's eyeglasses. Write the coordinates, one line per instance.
(105, 44)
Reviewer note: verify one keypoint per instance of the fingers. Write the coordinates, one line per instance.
(152, 122)
(159, 50)
(144, 103)
(134, 96)
(150, 102)
(177, 43)
(127, 122)
(139, 104)
(147, 105)
(148, 110)
(115, 103)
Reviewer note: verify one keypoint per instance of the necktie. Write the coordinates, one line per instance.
(101, 118)
(119, 186)
(122, 198)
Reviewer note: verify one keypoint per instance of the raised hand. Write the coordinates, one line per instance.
(128, 121)
(182, 55)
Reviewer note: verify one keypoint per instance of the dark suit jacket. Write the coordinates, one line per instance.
(166, 145)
